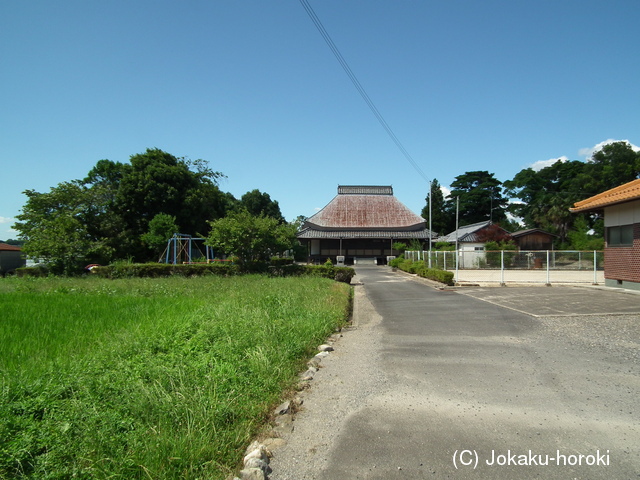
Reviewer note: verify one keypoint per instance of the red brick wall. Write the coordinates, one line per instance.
(623, 263)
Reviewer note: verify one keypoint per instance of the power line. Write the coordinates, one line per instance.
(360, 88)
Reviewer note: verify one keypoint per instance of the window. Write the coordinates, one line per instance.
(620, 236)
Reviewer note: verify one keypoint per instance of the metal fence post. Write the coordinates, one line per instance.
(595, 269)
(502, 284)
(457, 261)
(548, 281)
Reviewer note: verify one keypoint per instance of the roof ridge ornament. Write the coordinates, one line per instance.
(365, 190)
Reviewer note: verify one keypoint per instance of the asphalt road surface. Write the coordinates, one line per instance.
(438, 384)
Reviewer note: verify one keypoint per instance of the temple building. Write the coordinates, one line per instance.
(360, 225)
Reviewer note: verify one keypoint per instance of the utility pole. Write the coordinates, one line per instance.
(457, 252)
(430, 231)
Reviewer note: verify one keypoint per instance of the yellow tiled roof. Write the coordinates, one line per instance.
(623, 193)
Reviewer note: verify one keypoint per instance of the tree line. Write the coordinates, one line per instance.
(127, 211)
(536, 198)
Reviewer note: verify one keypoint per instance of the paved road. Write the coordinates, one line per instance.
(428, 373)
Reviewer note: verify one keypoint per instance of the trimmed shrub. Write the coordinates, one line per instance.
(442, 276)
(37, 271)
(279, 261)
(344, 274)
(420, 268)
(339, 274)
(396, 262)
(157, 270)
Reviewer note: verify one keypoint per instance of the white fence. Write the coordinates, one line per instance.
(517, 266)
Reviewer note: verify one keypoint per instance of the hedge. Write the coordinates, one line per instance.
(156, 270)
(340, 274)
(37, 271)
(419, 268)
(283, 268)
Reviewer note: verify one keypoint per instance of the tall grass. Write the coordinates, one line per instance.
(138, 379)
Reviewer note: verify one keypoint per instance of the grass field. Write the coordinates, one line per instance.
(150, 379)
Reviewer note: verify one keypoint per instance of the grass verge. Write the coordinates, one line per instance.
(138, 378)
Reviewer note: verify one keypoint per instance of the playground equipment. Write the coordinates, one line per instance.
(183, 248)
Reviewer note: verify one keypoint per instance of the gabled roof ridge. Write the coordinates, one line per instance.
(529, 230)
(365, 190)
(484, 222)
(466, 231)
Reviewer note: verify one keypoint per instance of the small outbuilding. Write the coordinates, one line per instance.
(533, 239)
(473, 237)
(471, 240)
(360, 225)
(11, 257)
(621, 208)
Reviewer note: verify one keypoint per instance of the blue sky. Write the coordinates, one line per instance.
(251, 87)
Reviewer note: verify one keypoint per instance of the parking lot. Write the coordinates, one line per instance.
(559, 300)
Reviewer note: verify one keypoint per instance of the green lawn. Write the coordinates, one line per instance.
(140, 379)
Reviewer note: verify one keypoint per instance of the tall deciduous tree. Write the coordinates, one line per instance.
(258, 203)
(546, 195)
(55, 226)
(158, 182)
(480, 196)
(251, 238)
(612, 165)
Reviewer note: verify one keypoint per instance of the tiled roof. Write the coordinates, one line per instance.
(366, 207)
(6, 247)
(309, 233)
(522, 233)
(624, 193)
(466, 233)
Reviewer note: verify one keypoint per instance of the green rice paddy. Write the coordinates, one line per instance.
(150, 379)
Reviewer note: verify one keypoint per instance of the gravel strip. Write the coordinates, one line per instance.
(347, 379)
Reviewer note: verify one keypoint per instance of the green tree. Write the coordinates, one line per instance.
(613, 165)
(108, 214)
(54, 226)
(546, 195)
(102, 218)
(253, 239)
(401, 247)
(158, 182)
(299, 222)
(582, 236)
(161, 228)
(481, 198)
(11, 241)
(444, 246)
(442, 221)
(258, 203)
